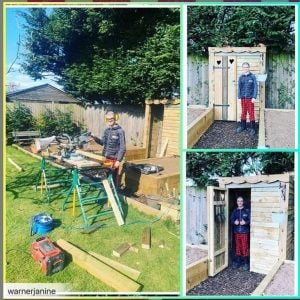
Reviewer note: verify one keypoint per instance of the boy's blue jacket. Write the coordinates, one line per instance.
(240, 214)
(247, 86)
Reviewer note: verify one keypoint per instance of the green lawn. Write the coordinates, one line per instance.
(159, 267)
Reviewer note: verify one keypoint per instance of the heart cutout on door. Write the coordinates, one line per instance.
(231, 60)
(218, 62)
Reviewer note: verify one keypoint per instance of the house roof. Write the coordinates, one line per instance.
(41, 93)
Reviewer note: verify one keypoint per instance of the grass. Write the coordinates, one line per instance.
(159, 267)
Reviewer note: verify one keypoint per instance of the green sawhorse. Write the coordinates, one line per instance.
(100, 192)
(50, 178)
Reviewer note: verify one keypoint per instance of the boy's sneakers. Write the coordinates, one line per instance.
(251, 132)
(245, 267)
(236, 265)
(240, 129)
(242, 126)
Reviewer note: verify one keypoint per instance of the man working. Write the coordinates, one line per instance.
(114, 144)
(240, 219)
(247, 93)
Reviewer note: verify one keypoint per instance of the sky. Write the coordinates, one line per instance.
(14, 28)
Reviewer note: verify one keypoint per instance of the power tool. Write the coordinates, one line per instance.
(50, 257)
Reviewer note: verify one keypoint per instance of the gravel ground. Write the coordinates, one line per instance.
(222, 134)
(280, 128)
(193, 254)
(228, 282)
(283, 282)
(193, 113)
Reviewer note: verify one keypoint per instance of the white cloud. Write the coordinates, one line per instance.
(23, 81)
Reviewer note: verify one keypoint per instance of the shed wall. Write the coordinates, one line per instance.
(268, 234)
(291, 221)
(171, 129)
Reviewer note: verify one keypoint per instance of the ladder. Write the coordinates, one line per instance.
(102, 193)
(51, 178)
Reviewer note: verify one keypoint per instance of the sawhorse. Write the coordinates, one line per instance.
(49, 178)
(96, 192)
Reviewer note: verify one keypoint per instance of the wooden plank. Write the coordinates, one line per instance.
(232, 88)
(90, 155)
(198, 127)
(15, 165)
(218, 87)
(164, 147)
(196, 273)
(130, 272)
(265, 282)
(146, 239)
(100, 270)
(121, 250)
(113, 202)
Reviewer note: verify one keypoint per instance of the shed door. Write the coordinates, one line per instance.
(217, 202)
(225, 87)
(226, 70)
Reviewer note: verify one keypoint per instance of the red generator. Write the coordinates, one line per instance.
(48, 255)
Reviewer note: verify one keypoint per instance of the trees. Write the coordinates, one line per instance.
(204, 168)
(122, 55)
(221, 26)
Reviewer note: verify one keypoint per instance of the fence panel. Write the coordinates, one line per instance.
(131, 118)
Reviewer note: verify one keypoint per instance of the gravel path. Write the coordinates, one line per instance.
(228, 282)
(222, 134)
(193, 254)
(193, 113)
(283, 282)
(280, 128)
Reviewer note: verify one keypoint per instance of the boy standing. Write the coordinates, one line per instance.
(240, 219)
(114, 144)
(247, 93)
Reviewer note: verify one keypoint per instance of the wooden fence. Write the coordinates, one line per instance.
(131, 118)
(196, 212)
(280, 84)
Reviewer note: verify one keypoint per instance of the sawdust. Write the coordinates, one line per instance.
(280, 128)
(283, 283)
(194, 253)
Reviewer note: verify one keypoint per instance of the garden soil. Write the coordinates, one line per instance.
(228, 282)
(222, 134)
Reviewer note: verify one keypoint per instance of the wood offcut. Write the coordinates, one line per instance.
(146, 240)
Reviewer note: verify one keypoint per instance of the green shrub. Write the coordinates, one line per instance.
(56, 122)
(18, 118)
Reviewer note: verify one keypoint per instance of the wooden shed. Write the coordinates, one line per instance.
(162, 127)
(271, 201)
(225, 67)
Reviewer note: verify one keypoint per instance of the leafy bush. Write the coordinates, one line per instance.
(56, 122)
(18, 117)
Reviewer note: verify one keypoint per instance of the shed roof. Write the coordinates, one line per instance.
(41, 93)
(261, 49)
(175, 101)
(255, 179)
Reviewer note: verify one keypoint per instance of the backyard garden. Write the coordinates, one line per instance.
(23, 203)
